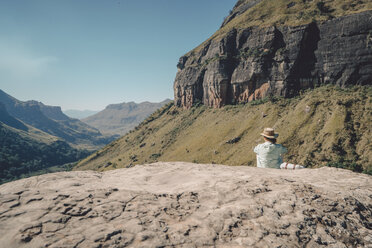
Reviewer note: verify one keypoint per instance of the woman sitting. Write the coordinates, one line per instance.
(269, 154)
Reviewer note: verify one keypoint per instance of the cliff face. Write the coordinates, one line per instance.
(255, 62)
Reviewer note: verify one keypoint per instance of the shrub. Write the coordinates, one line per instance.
(323, 8)
(259, 101)
(368, 170)
(155, 155)
(349, 165)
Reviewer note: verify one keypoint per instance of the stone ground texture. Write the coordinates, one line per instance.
(188, 205)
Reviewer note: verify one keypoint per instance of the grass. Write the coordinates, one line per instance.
(278, 13)
(318, 128)
(349, 165)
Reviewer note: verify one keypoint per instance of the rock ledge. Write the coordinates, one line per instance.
(188, 205)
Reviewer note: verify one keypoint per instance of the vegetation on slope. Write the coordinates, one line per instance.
(289, 13)
(297, 12)
(324, 126)
(22, 154)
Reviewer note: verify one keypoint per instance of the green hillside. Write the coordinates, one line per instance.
(324, 126)
(296, 12)
(24, 153)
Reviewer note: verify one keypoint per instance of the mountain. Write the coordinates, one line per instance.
(118, 119)
(324, 126)
(188, 205)
(35, 138)
(302, 67)
(10, 120)
(51, 120)
(79, 114)
(279, 48)
(180, 204)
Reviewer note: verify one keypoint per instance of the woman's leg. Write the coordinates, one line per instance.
(288, 166)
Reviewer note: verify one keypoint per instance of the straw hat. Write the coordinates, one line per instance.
(269, 133)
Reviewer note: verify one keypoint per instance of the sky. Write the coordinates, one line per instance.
(87, 54)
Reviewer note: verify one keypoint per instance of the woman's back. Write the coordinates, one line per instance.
(269, 155)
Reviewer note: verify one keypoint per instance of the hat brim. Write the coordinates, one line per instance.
(270, 137)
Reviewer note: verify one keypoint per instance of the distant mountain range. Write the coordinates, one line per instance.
(51, 120)
(118, 119)
(79, 114)
(34, 136)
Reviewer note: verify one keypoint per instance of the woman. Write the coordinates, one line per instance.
(269, 154)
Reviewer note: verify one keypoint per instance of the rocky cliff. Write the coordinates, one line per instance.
(188, 205)
(241, 63)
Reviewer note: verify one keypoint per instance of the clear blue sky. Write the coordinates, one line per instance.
(86, 54)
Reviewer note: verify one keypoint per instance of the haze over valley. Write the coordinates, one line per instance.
(79, 114)
(118, 119)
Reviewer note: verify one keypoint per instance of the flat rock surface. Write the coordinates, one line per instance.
(188, 205)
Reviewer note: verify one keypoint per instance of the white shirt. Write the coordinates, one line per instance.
(269, 155)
